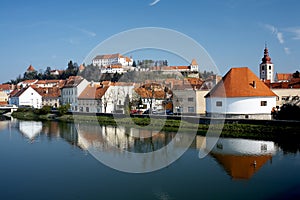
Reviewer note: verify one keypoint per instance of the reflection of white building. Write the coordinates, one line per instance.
(30, 129)
(241, 158)
(241, 146)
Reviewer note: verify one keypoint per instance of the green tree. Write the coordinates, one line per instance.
(63, 109)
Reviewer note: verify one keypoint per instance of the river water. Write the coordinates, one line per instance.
(54, 160)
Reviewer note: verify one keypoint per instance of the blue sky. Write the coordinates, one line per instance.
(50, 33)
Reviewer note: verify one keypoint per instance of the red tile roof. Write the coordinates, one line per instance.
(283, 77)
(293, 83)
(6, 87)
(93, 92)
(30, 69)
(194, 62)
(108, 56)
(52, 92)
(240, 82)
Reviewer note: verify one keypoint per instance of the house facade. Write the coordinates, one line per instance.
(90, 100)
(71, 90)
(113, 101)
(26, 97)
(240, 94)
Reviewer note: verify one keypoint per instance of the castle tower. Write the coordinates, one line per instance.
(266, 68)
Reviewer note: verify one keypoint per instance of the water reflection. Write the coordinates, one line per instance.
(30, 129)
(240, 158)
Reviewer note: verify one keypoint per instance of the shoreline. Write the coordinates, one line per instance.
(248, 129)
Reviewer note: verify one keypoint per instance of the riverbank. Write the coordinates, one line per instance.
(251, 129)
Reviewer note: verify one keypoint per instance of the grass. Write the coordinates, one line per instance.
(251, 131)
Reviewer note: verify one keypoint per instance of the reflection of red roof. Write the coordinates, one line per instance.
(241, 167)
(240, 82)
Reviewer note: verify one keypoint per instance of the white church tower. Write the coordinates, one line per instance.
(266, 68)
(194, 66)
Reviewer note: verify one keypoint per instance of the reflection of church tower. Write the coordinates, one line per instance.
(266, 68)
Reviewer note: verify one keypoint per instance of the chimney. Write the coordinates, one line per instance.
(254, 84)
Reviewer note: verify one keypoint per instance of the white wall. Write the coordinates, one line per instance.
(241, 105)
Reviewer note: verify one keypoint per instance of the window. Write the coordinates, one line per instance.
(284, 98)
(191, 109)
(220, 146)
(190, 99)
(219, 103)
(263, 103)
(263, 147)
(262, 67)
(270, 67)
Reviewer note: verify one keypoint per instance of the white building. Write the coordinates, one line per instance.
(115, 96)
(266, 68)
(112, 59)
(112, 69)
(26, 97)
(71, 91)
(240, 94)
(90, 100)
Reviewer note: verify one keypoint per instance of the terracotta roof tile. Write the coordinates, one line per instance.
(30, 69)
(95, 91)
(283, 77)
(240, 82)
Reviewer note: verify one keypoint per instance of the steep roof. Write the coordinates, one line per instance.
(241, 167)
(194, 62)
(73, 81)
(18, 93)
(240, 82)
(93, 91)
(30, 69)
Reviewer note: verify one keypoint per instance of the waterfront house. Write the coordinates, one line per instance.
(26, 97)
(50, 96)
(114, 98)
(90, 99)
(71, 90)
(240, 94)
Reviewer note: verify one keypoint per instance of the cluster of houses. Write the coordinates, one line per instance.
(239, 94)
